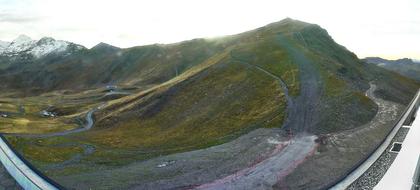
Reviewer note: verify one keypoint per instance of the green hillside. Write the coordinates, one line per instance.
(200, 93)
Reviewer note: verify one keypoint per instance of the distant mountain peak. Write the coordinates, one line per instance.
(46, 40)
(289, 20)
(405, 66)
(47, 45)
(102, 44)
(22, 39)
(288, 25)
(406, 60)
(377, 60)
(25, 45)
(3, 45)
(105, 47)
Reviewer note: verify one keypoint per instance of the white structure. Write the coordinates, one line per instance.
(22, 173)
(360, 170)
(401, 173)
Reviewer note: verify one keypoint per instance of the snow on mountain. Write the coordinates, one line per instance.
(3, 45)
(22, 39)
(20, 44)
(48, 45)
(42, 47)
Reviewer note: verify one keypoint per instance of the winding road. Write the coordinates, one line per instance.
(387, 112)
(7, 182)
(89, 124)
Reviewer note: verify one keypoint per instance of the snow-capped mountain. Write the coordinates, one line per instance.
(3, 45)
(36, 48)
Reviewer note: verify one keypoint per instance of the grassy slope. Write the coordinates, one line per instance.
(393, 86)
(140, 66)
(216, 97)
(23, 116)
(202, 110)
(207, 108)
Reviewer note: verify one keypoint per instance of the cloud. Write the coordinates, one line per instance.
(17, 18)
(380, 27)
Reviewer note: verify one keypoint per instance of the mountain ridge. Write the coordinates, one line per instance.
(37, 48)
(287, 79)
(133, 65)
(397, 61)
(404, 66)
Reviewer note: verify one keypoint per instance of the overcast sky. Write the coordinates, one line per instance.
(386, 28)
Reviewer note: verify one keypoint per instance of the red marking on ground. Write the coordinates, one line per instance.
(242, 172)
(295, 164)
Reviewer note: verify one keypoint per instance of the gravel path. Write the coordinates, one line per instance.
(266, 154)
(339, 152)
(303, 115)
(385, 112)
(375, 173)
(267, 173)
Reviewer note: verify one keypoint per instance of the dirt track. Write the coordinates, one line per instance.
(268, 172)
(341, 151)
(302, 115)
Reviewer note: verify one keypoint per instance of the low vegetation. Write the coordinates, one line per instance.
(187, 96)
